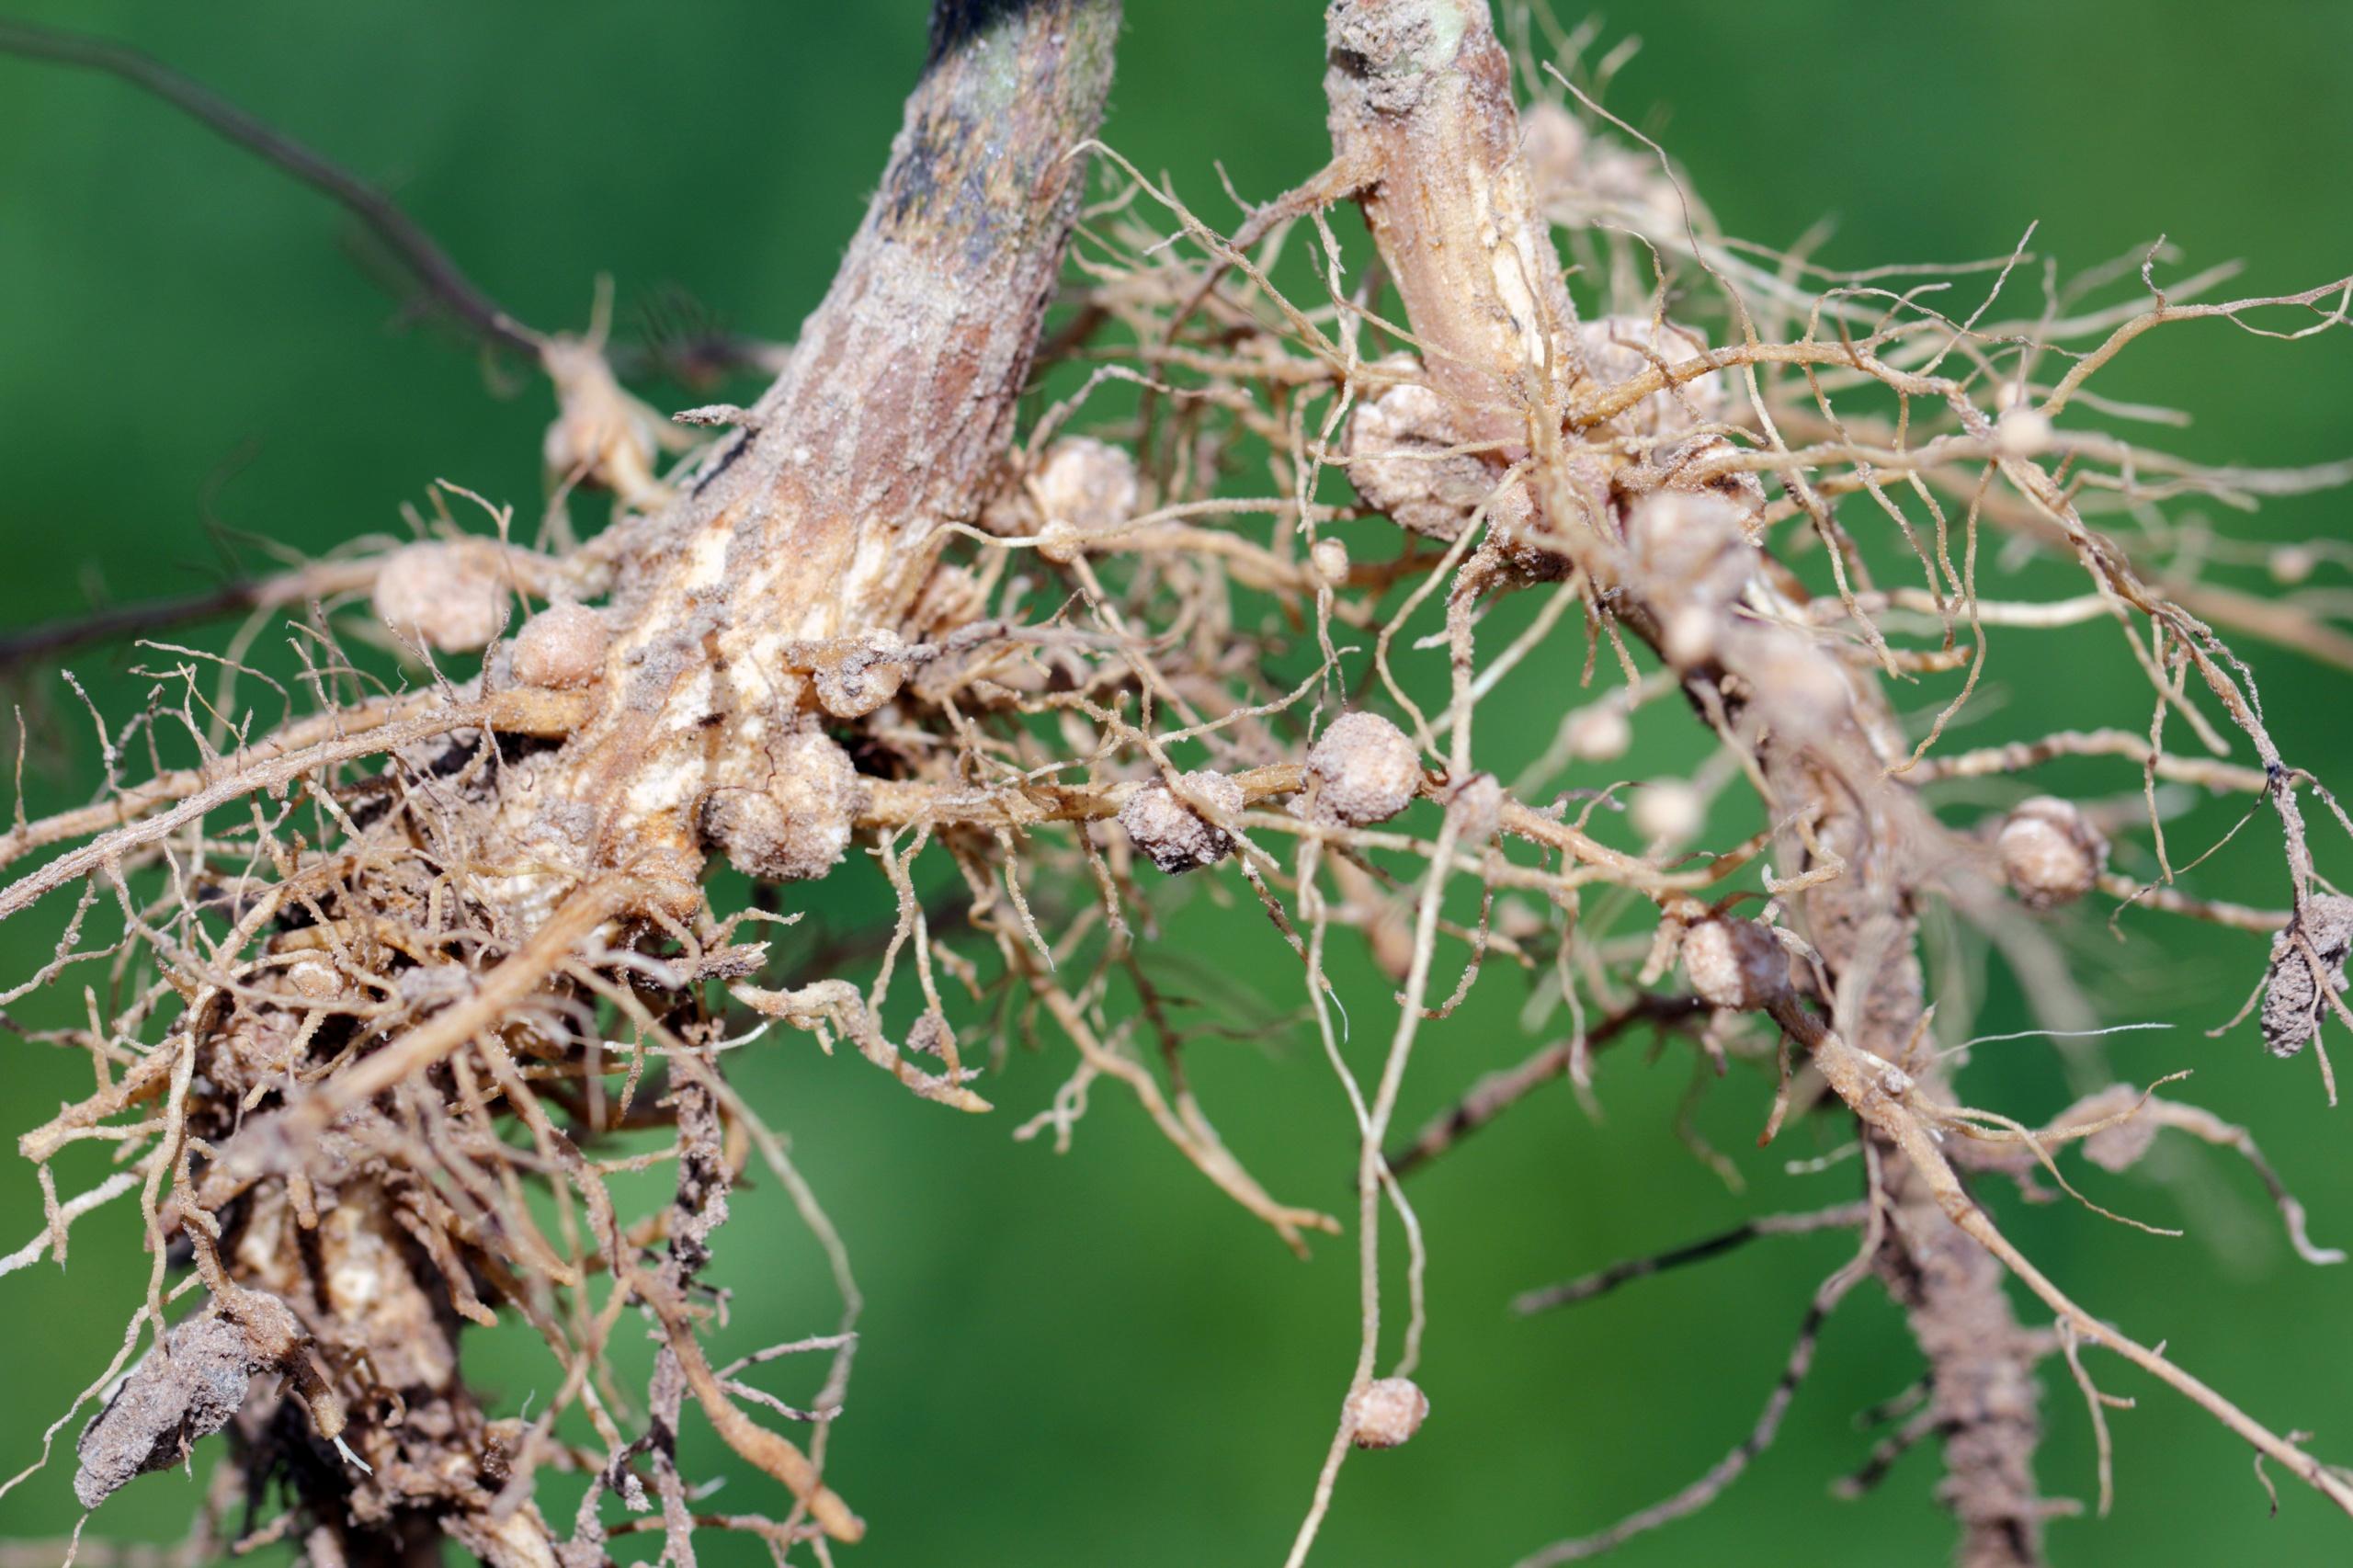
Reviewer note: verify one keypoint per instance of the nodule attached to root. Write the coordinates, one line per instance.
(1619, 348)
(562, 647)
(1386, 1411)
(1330, 559)
(797, 827)
(1365, 770)
(1553, 145)
(2051, 853)
(1669, 813)
(1084, 486)
(1691, 552)
(1599, 731)
(1476, 804)
(865, 677)
(1735, 964)
(1402, 460)
(448, 596)
(1171, 834)
(515, 879)
(2125, 1134)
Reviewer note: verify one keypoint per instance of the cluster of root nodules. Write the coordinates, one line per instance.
(374, 1041)
(332, 1199)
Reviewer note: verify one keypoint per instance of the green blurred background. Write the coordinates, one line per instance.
(1093, 1358)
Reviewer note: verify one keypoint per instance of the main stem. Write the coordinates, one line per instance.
(817, 520)
(819, 517)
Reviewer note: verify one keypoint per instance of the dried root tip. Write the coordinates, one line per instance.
(797, 827)
(2293, 1003)
(166, 1404)
(447, 596)
(864, 678)
(2051, 854)
(1365, 770)
(1386, 1413)
(562, 647)
(1171, 834)
(1735, 964)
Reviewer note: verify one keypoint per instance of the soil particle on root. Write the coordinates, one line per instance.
(1735, 964)
(166, 1403)
(865, 677)
(1172, 833)
(2293, 1003)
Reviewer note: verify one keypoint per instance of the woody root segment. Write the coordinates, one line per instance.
(387, 995)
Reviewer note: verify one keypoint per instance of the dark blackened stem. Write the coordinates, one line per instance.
(899, 402)
(900, 397)
(966, 235)
(981, 168)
